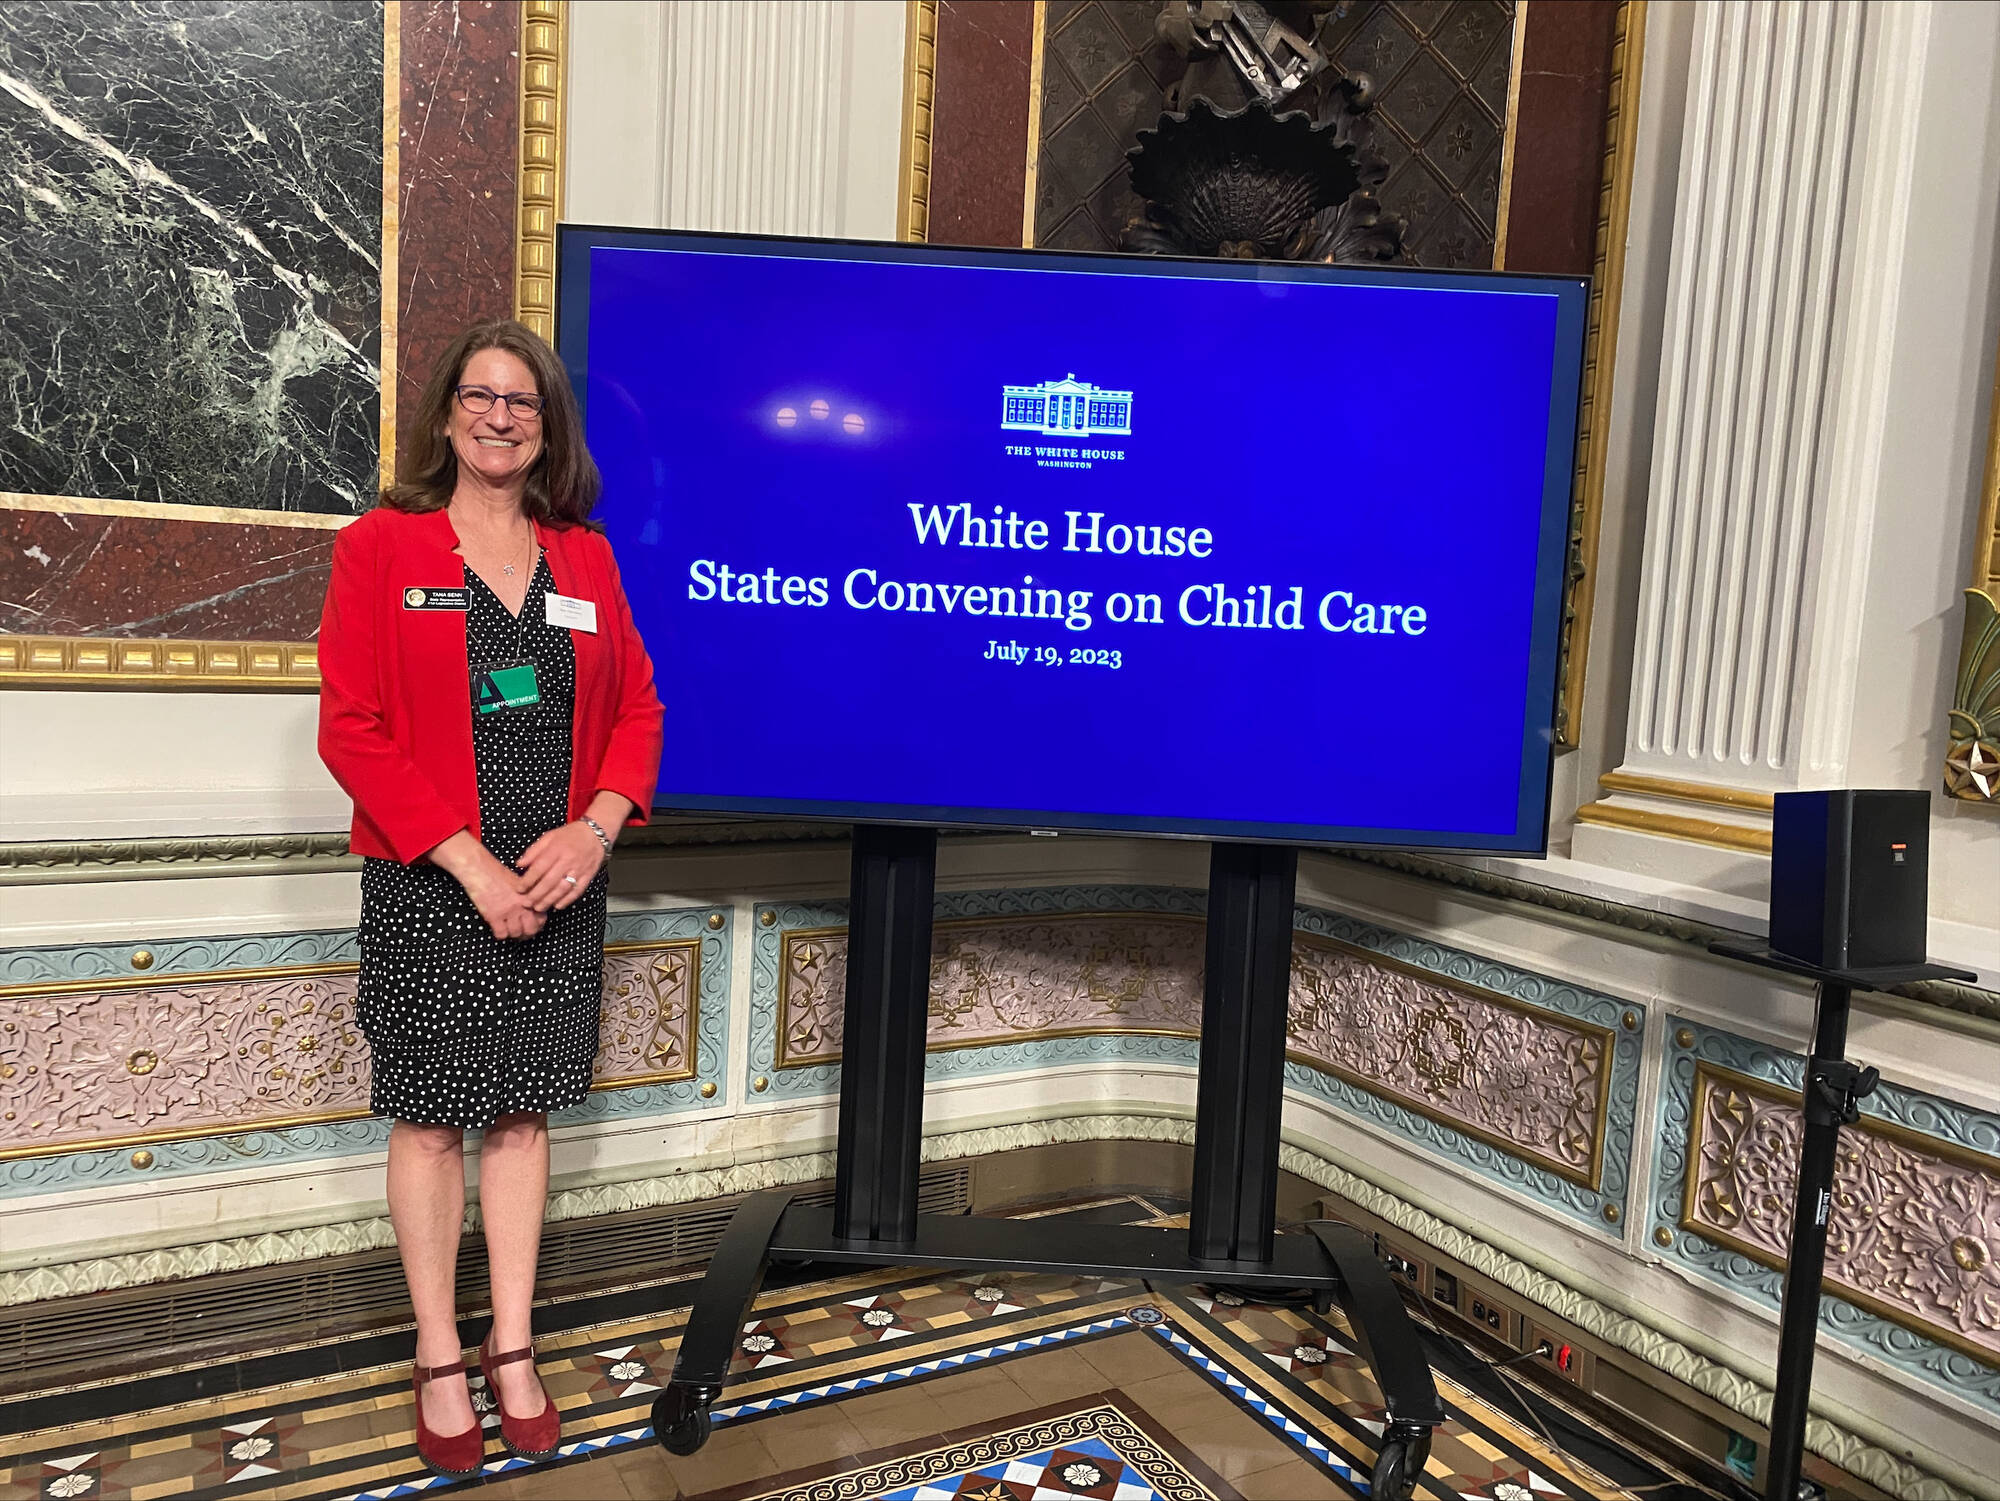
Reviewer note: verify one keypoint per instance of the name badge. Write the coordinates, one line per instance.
(505, 685)
(577, 614)
(437, 599)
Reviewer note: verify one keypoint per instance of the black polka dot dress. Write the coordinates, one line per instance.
(463, 1027)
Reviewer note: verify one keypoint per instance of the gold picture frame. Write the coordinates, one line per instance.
(72, 662)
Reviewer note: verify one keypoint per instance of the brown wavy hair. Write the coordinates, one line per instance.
(563, 486)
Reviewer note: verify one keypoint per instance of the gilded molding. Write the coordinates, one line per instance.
(392, 236)
(115, 662)
(1714, 795)
(166, 510)
(913, 187)
(544, 32)
(1862, 1456)
(1717, 832)
(1509, 137)
(1030, 182)
(1972, 760)
(1600, 358)
(109, 662)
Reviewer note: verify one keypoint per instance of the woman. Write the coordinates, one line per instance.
(489, 707)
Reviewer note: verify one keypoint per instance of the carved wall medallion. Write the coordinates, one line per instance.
(1011, 980)
(108, 1063)
(1914, 1230)
(1529, 1081)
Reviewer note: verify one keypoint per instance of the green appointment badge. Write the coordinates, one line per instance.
(511, 686)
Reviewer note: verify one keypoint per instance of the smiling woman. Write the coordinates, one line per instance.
(487, 814)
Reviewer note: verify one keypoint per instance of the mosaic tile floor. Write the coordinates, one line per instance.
(916, 1387)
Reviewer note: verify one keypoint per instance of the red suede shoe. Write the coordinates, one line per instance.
(453, 1455)
(530, 1438)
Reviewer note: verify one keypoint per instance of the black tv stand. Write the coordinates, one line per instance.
(1231, 1237)
(1831, 1097)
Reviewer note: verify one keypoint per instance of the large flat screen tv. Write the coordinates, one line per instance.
(1020, 539)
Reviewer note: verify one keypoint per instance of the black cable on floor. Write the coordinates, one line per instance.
(1563, 1432)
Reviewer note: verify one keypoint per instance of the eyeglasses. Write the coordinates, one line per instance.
(478, 401)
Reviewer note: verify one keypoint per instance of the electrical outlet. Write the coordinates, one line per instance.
(1405, 1268)
(1554, 1353)
(1444, 1288)
(1495, 1318)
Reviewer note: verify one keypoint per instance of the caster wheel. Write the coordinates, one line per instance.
(680, 1421)
(1399, 1467)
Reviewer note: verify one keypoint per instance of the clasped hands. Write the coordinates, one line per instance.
(552, 873)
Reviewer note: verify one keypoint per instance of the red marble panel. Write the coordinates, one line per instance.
(979, 136)
(65, 574)
(458, 143)
(1559, 135)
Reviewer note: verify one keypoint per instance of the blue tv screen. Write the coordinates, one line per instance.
(1023, 539)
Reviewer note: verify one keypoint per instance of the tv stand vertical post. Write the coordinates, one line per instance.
(1232, 1236)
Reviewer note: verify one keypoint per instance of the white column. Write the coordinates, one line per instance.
(1767, 489)
(782, 118)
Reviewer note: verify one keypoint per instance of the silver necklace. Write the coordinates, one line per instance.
(508, 568)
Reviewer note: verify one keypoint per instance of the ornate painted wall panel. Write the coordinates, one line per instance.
(1913, 1251)
(1531, 1082)
(216, 215)
(996, 981)
(270, 1054)
(1497, 1069)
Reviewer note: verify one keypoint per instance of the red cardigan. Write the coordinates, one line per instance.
(395, 701)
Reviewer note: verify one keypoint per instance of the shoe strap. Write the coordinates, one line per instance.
(428, 1374)
(489, 1358)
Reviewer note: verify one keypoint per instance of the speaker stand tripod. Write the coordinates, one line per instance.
(1832, 1096)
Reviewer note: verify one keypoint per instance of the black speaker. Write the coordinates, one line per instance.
(1849, 877)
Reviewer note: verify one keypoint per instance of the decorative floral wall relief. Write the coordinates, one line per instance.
(1526, 1079)
(202, 1054)
(1011, 980)
(1530, 1080)
(1914, 1229)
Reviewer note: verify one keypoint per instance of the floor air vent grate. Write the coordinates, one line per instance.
(79, 1339)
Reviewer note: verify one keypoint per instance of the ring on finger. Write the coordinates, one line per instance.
(569, 880)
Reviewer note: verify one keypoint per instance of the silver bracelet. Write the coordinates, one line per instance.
(598, 829)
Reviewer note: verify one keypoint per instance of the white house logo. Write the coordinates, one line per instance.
(1066, 408)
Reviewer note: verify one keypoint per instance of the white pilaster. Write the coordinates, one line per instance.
(778, 118)
(1744, 436)
(1796, 394)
